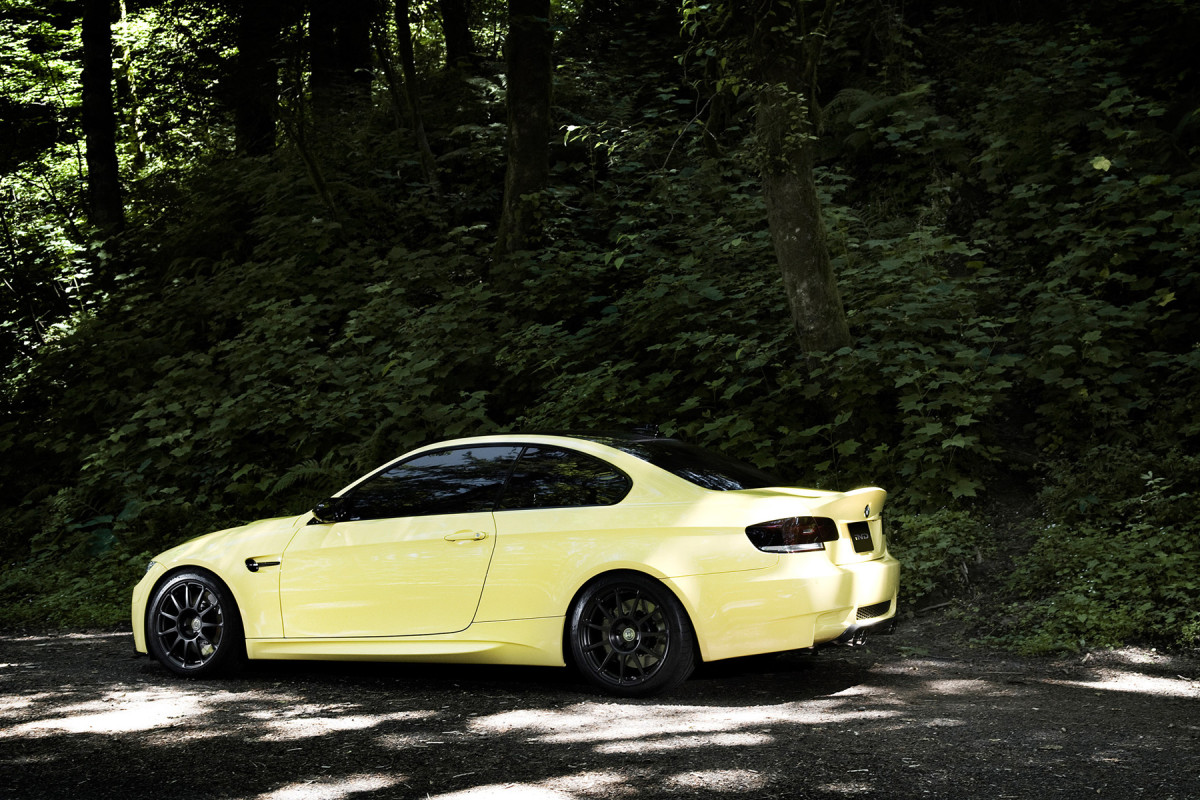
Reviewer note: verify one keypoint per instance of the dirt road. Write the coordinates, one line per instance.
(905, 717)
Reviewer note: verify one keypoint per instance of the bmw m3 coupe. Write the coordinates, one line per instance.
(629, 557)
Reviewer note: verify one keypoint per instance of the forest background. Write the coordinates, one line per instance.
(252, 249)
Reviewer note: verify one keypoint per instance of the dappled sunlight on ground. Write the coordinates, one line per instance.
(12, 702)
(847, 725)
(608, 783)
(649, 725)
(332, 788)
(312, 721)
(721, 780)
(505, 791)
(612, 784)
(1113, 681)
(676, 742)
(119, 712)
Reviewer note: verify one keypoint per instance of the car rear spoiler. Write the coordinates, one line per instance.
(858, 504)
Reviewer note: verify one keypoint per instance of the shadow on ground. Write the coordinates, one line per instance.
(79, 716)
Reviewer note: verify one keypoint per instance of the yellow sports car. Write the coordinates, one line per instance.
(629, 556)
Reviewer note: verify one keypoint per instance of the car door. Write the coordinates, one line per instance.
(407, 553)
(555, 515)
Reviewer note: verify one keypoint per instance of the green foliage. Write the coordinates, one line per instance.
(1116, 559)
(1013, 236)
(40, 596)
(938, 551)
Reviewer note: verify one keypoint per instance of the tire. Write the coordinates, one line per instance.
(193, 627)
(630, 637)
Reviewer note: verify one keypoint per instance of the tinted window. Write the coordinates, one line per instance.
(454, 481)
(550, 477)
(702, 467)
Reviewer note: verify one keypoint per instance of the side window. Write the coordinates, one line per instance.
(550, 477)
(453, 481)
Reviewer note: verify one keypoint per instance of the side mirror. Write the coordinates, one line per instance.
(328, 511)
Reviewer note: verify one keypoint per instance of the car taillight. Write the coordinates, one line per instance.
(793, 534)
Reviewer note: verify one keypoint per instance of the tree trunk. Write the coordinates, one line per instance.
(797, 228)
(256, 76)
(105, 209)
(412, 93)
(456, 25)
(129, 112)
(786, 57)
(339, 33)
(527, 55)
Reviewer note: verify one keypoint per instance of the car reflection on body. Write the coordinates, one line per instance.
(630, 557)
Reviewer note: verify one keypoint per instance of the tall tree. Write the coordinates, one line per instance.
(127, 102)
(527, 56)
(774, 48)
(786, 39)
(339, 33)
(105, 207)
(412, 93)
(456, 27)
(256, 75)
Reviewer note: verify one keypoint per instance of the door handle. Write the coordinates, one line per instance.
(465, 536)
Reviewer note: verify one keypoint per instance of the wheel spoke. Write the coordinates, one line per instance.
(644, 648)
(624, 637)
(608, 614)
(189, 625)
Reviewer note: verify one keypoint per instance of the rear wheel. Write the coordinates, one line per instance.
(193, 627)
(630, 636)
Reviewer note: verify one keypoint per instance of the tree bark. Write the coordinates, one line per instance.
(786, 53)
(339, 34)
(256, 76)
(456, 26)
(126, 99)
(527, 55)
(105, 208)
(798, 230)
(412, 93)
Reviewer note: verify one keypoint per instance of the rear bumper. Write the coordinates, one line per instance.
(856, 634)
(876, 586)
(799, 603)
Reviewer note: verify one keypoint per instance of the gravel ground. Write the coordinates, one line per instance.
(908, 716)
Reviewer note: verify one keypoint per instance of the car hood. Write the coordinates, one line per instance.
(263, 537)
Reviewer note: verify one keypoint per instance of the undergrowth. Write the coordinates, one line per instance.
(1012, 235)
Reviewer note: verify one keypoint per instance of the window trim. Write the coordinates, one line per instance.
(346, 493)
(526, 445)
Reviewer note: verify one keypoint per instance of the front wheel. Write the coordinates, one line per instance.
(193, 627)
(630, 636)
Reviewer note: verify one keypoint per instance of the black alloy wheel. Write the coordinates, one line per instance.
(193, 627)
(630, 636)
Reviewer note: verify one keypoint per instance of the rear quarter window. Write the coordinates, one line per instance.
(554, 477)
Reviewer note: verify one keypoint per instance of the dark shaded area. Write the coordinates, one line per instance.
(1010, 208)
(907, 717)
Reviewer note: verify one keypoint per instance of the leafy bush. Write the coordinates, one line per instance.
(938, 551)
(1116, 558)
(1013, 235)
